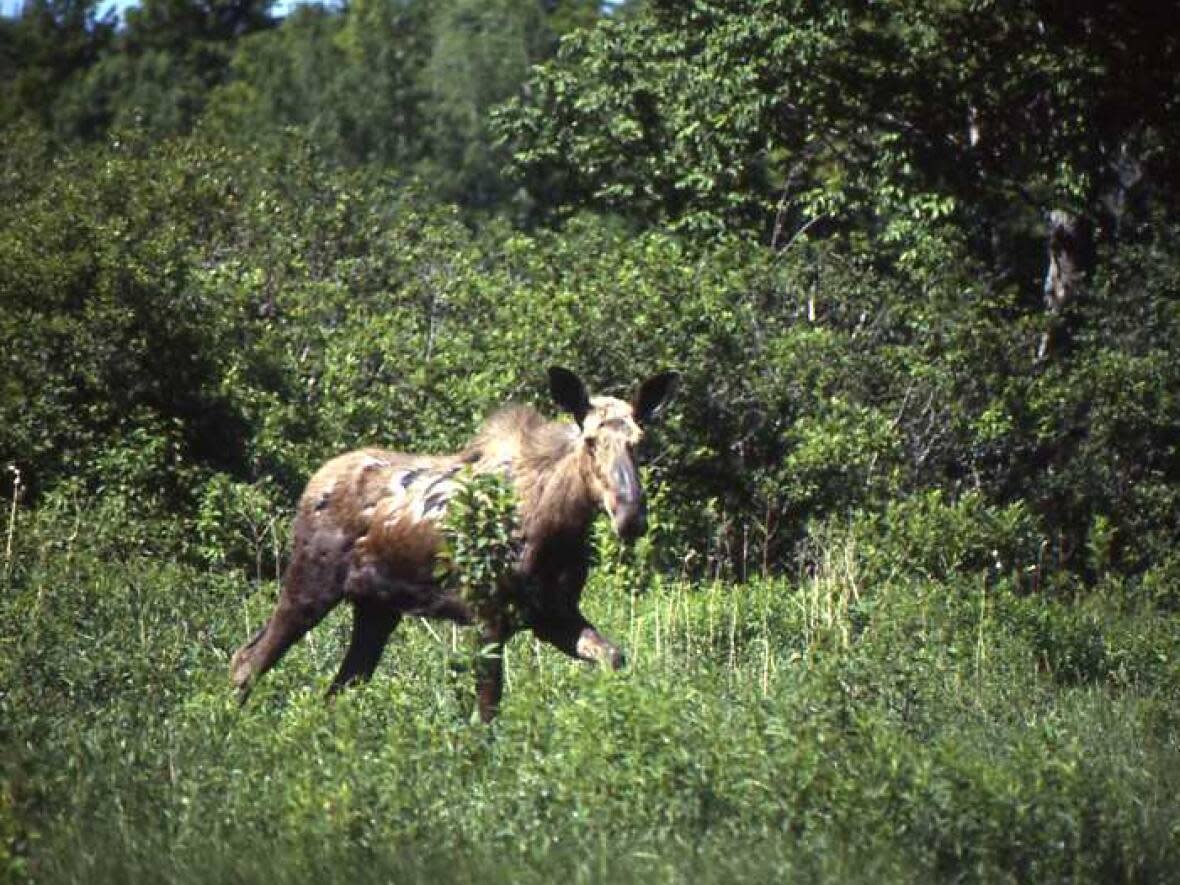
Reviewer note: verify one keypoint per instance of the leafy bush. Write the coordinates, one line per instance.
(928, 536)
(481, 549)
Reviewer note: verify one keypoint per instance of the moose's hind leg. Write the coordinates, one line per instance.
(286, 626)
(312, 587)
(372, 623)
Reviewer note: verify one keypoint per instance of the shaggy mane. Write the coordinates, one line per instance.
(524, 437)
(543, 458)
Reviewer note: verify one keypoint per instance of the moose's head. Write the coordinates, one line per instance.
(610, 431)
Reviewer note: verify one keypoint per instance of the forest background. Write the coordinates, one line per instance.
(910, 603)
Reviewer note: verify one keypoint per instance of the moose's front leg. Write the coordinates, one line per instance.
(593, 646)
(577, 637)
(489, 673)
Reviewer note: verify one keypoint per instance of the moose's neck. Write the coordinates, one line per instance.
(563, 500)
(553, 481)
(561, 505)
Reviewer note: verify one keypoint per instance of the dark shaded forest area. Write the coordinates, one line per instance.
(909, 604)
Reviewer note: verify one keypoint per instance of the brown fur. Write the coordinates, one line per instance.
(366, 530)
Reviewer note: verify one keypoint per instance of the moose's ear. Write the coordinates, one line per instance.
(653, 395)
(569, 392)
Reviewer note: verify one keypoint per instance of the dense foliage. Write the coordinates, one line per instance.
(909, 601)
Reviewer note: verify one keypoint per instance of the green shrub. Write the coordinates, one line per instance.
(481, 550)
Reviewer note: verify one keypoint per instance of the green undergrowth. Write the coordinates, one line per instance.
(814, 727)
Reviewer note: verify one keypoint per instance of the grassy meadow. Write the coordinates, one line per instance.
(836, 725)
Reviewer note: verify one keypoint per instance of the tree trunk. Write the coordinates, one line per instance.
(1064, 273)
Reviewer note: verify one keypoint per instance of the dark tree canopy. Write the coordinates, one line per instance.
(773, 114)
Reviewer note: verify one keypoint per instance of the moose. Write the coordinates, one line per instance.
(367, 529)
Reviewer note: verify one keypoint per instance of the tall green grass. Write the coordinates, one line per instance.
(812, 728)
